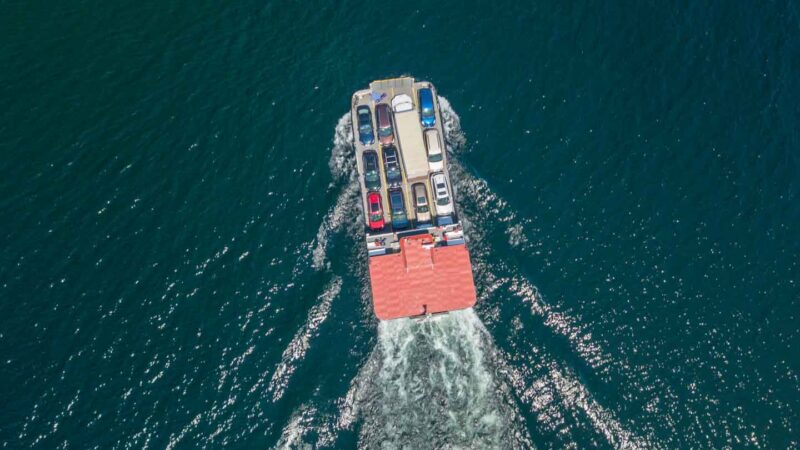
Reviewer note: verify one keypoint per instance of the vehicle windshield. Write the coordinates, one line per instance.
(422, 209)
(427, 111)
(365, 127)
(435, 158)
(385, 131)
(397, 201)
(443, 201)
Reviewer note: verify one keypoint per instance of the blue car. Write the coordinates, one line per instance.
(398, 207)
(365, 133)
(427, 116)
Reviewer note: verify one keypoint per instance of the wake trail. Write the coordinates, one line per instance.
(429, 385)
(551, 390)
(340, 216)
(442, 383)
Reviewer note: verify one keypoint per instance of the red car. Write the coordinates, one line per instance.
(375, 211)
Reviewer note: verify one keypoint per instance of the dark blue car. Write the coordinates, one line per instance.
(427, 116)
(365, 133)
(398, 207)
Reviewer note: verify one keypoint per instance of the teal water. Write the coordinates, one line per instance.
(181, 267)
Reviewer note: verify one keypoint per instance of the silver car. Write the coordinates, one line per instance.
(421, 203)
(435, 156)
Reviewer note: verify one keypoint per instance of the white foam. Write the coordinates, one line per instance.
(428, 385)
(342, 161)
(297, 348)
(454, 136)
(307, 420)
(343, 212)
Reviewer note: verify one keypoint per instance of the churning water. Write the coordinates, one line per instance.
(431, 384)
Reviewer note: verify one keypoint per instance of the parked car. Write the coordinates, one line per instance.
(421, 203)
(398, 207)
(365, 132)
(383, 116)
(427, 116)
(402, 103)
(375, 211)
(434, 146)
(372, 175)
(444, 201)
(394, 177)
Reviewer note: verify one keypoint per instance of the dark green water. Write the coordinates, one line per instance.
(180, 267)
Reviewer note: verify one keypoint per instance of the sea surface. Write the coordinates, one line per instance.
(181, 263)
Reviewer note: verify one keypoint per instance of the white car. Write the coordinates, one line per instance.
(402, 103)
(444, 201)
(434, 145)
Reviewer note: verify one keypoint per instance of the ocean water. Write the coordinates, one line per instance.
(181, 264)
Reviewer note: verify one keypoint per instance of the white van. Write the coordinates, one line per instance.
(444, 201)
(434, 145)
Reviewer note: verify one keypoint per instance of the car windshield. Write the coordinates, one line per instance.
(422, 209)
(396, 197)
(428, 111)
(443, 201)
(385, 131)
(365, 127)
(435, 158)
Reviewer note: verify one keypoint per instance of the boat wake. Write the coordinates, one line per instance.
(443, 383)
(429, 385)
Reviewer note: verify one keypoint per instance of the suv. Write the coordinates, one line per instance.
(444, 203)
(421, 203)
(394, 178)
(365, 133)
(427, 116)
(372, 176)
(434, 145)
(398, 207)
(383, 115)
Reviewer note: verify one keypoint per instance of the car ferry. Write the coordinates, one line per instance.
(418, 259)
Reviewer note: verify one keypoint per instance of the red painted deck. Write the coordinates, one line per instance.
(421, 279)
